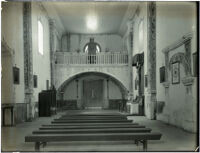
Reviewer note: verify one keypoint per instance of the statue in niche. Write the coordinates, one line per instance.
(92, 48)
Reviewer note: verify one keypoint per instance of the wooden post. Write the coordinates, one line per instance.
(144, 145)
(37, 146)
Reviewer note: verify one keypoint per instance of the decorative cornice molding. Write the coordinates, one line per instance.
(178, 43)
(188, 81)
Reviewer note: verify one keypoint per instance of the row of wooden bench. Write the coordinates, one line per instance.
(92, 127)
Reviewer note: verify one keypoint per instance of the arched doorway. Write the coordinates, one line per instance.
(92, 90)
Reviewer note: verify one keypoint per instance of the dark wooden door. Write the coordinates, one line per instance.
(93, 93)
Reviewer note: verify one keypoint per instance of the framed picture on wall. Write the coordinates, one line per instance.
(175, 73)
(146, 80)
(162, 74)
(35, 81)
(16, 75)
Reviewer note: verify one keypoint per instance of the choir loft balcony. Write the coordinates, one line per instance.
(85, 59)
(69, 64)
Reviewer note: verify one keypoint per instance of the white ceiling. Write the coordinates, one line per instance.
(73, 15)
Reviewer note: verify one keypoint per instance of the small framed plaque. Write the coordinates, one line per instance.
(162, 74)
(16, 75)
(35, 81)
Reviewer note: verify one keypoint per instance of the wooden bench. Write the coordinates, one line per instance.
(96, 130)
(103, 115)
(38, 139)
(88, 127)
(91, 121)
(89, 124)
(73, 116)
(61, 126)
(92, 118)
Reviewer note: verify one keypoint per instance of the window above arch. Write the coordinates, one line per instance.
(97, 48)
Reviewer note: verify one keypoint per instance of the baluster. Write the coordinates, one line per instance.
(64, 59)
(99, 62)
(107, 59)
(123, 59)
(74, 59)
(68, 61)
(103, 59)
(120, 58)
(110, 58)
(86, 59)
(67, 58)
(115, 61)
(117, 58)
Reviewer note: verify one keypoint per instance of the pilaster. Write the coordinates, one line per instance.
(130, 54)
(151, 58)
(28, 64)
(52, 48)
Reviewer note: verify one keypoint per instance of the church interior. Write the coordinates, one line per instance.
(99, 76)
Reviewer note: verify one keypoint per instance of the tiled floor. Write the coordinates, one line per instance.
(173, 138)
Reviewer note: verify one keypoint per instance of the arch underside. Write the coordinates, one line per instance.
(122, 88)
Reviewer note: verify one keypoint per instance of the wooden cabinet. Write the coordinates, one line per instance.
(47, 103)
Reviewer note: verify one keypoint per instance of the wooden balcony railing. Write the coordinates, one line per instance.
(86, 59)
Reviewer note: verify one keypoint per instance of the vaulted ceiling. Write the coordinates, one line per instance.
(73, 15)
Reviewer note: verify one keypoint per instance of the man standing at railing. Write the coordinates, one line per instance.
(92, 50)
